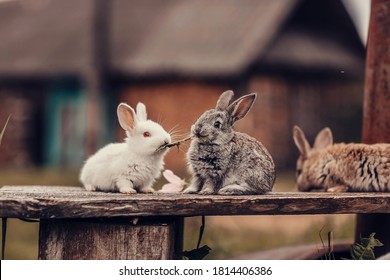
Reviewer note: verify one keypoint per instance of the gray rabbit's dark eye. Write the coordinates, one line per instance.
(299, 172)
(217, 124)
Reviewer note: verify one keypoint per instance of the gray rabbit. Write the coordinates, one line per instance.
(224, 161)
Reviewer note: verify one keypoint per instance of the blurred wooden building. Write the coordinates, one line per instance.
(304, 58)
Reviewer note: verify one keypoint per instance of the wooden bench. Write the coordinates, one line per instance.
(76, 224)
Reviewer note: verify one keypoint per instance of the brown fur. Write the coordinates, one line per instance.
(341, 167)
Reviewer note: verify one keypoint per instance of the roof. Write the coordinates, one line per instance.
(151, 38)
(207, 37)
(49, 39)
(319, 36)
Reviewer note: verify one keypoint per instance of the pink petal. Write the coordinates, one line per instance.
(171, 188)
(171, 177)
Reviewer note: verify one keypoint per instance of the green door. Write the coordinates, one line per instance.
(65, 127)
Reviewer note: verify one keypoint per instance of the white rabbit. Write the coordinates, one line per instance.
(130, 166)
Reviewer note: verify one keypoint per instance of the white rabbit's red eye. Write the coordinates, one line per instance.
(146, 134)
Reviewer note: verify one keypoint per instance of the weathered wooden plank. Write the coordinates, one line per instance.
(74, 202)
(108, 240)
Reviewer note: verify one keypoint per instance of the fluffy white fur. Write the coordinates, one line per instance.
(131, 166)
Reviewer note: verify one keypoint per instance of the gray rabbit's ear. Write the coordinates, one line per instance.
(239, 108)
(324, 139)
(141, 112)
(301, 142)
(127, 117)
(224, 100)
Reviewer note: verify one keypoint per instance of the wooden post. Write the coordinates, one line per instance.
(95, 239)
(94, 75)
(376, 115)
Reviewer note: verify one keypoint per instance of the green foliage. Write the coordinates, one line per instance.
(3, 220)
(200, 252)
(3, 131)
(359, 251)
(197, 254)
(365, 249)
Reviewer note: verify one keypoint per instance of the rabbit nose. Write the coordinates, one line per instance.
(167, 140)
(194, 130)
(201, 132)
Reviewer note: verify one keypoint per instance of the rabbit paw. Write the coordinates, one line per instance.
(190, 190)
(193, 188)
(125, 187)
(207, 191)
(338, 189)
(232, 190)
(91, 188)
(147, 190)
(129, 191)
(208, 188)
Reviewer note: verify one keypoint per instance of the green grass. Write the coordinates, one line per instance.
(3, 130)
(227, 243)
(50, 177)
(22, 240)
(22, 237)
(265, 232)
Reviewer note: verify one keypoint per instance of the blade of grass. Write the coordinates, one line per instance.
(177, 144)
(201, 231)
(3, 236)
(330, 246)
(3, 220)
(3, 131)
(322, 242)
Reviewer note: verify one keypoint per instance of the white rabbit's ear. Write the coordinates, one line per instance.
(301, 142)
(239, 108)
(324, 139)
(224, 100)
(141, 112)
(127, 117)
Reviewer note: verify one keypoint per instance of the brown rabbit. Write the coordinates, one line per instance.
(341, 167)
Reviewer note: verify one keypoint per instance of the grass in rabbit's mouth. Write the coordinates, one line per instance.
(173, 144)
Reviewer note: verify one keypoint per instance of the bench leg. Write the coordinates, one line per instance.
(378, 223)
(94, 239)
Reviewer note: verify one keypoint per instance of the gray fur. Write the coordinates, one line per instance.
(224, 161)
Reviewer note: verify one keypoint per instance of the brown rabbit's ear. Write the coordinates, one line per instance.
(301, 142)
(324, 139)
(126, 116)
(224, 100)
(239, 108)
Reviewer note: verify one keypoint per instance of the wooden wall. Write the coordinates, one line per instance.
(311, 104)
(21, 144)
(282, 103)
(174, 105)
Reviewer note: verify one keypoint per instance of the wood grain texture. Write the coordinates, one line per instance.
(103, 240)
(376, 109)
(74, 202)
